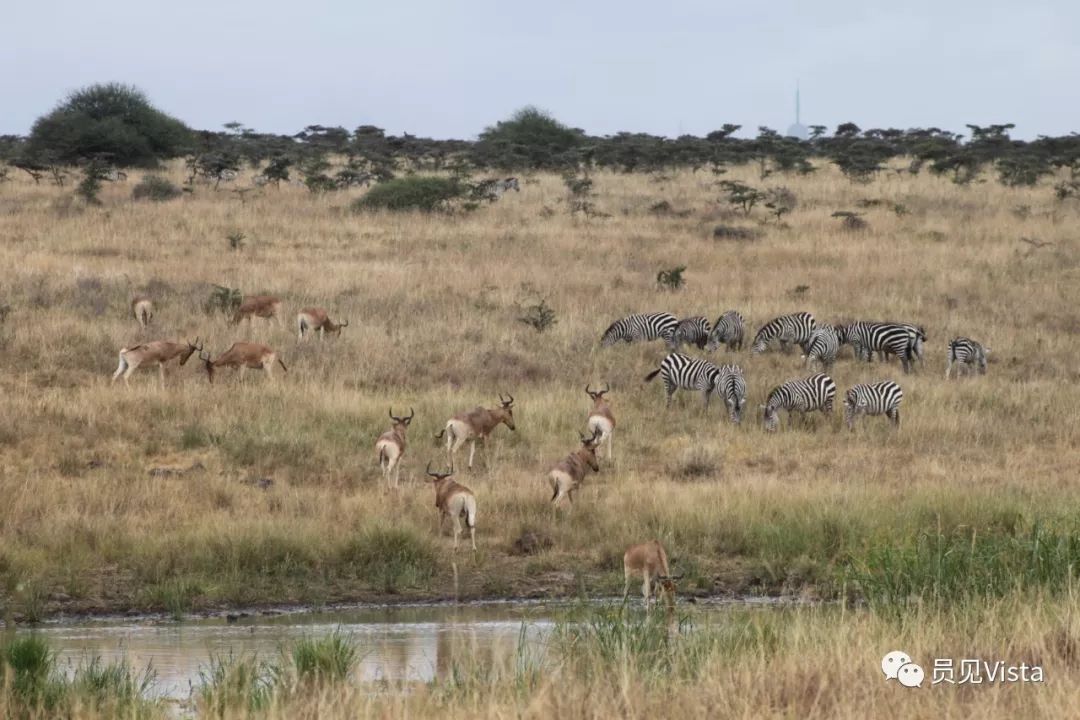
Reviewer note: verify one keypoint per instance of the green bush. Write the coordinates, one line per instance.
(156, 188)
(390, 558)
(422, 192)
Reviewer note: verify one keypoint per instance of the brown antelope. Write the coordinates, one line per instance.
(567, 474)
(158, 351)
(600, 417)
(142, 308)
(391, 446)
(456, 502)
(649, 559)
(263, 306)
(476, 424)
(243, 355)
(315, 318)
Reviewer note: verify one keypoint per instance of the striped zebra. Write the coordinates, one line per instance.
(691, 330)
(115, 175)
(728, 330)
(881, 398)
(681, 372)
(816, 392)
(867, 337)
(648, 326)
(916, 338)
(966, 354)
(731, 387)
(793, 328)
(823, 346)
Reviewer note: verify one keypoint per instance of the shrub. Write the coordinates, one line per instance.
(155, 188)
(390, 558)
(421, 192)
(90, 185)
(223, 300)
(733, 232)
(327, 659)
(672, 278)
(539, 317)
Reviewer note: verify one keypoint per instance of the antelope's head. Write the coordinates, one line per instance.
(597, 395)
(332, 327)
(437, 477)
(401, 424)
(191, 349)
(588, 446)
(506, 411)
(667, 583)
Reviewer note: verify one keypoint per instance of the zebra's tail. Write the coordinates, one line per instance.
(650, 376)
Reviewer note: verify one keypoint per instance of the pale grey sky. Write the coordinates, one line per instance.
(442, 68)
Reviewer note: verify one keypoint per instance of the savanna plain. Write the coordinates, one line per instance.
(956, 536)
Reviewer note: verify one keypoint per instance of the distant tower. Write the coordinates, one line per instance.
(798, 130)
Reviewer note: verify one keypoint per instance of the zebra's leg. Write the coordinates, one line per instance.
(894, 415)
(948, 367)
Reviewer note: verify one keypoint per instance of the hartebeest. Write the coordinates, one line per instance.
(649, 559)
(142, 308)
(601, 417)
(263, 306)
(315, 318)
(454, 501)
(476, 424)
(391, 446)
(244, 355)
(568, 473)
(158, 351)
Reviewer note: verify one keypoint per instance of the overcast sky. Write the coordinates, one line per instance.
(442, 68)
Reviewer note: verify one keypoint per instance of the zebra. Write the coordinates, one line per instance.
(728, 330)
(115, 175)
(731, 386)
(648, 326)
(693, 330)
(793, 328)
(867, 337)
(966, 353)
(881, 398)
(494, 188)
(679, 371)
(916, 338)
(816, 392)
(823, 346)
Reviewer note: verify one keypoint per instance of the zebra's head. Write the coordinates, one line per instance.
(982, 360)
(770, 418)
(760, 342)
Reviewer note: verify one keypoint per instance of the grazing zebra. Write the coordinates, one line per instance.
(824, 344)
(882, 398)
(731, 387)
(648, 326)
(916, 338)
(692, 330)
(866, 338)
(966, 353)
(728, 330)
(115, 175)
(816, 392)
(794, 328)
(679, 371)
(493, 189)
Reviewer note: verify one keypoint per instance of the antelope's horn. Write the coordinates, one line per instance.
(588, 391)
(411, 413)
(344, 323)
(392, 414)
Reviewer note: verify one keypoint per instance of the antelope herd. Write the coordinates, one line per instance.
(458, 503)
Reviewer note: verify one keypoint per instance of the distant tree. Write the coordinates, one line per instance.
(530, 140)
(93, 174)
(111, 121)
(278, 170)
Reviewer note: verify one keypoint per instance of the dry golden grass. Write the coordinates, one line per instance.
(433, 303)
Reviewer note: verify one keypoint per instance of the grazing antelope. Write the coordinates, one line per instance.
(263, 306)
(454, 501)
(476, 424)
(601, 418)
(568, 473)
(649, 559)
(158, 351)
(142, 308)
(315, 318)
(391, 446)
(244, 355)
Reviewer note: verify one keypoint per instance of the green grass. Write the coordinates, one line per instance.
(391, 559)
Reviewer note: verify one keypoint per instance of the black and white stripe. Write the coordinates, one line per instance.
(881, 398)
(823, 346)
(867, 337)
(681, 372)
(966, 354)
(731, 388)
(691, 331)
(794, 328)
(728, 330)
(816, 392)
(648, 326)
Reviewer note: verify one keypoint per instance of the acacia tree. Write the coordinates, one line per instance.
(530, 140)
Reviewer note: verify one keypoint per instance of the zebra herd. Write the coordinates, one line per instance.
(820, 344)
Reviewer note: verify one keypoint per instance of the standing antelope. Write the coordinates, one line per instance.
(315, 318)
(142, 308)
(476, 424)
(568, 473)
(244, 355)
(391, 446)
(649, 559)
(454, 501)
(158, 351)
(601, 418)
(263, 306)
